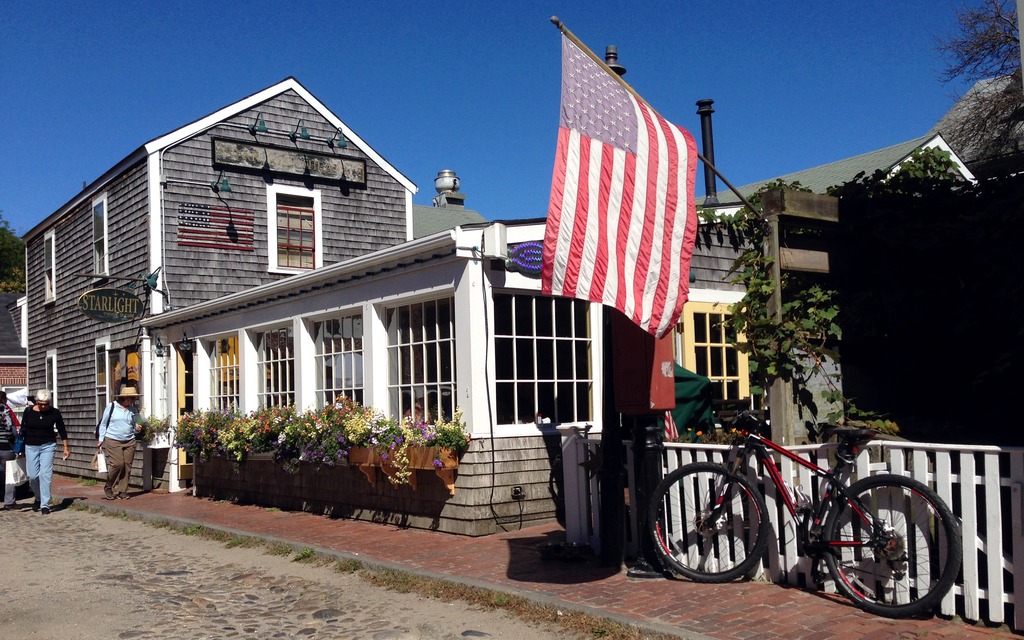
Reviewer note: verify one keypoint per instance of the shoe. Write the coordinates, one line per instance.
(45, 511)
(35, 506)
(123, 496)
(7, 507)
(108, 494)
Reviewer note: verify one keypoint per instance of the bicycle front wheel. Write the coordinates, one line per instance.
(709, 525)
(896, 550)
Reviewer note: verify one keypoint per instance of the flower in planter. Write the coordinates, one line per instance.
(198, 431)
(152, 427)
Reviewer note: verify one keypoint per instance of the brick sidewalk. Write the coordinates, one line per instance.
(511, 562)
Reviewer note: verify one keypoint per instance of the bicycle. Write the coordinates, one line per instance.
(890, 543)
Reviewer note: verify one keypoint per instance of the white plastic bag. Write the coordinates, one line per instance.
(16, 471)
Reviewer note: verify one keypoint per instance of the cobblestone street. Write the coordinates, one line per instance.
(79, 574)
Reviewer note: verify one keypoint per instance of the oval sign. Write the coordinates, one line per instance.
(111, 305)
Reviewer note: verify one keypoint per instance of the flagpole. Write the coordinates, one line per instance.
(625, 85)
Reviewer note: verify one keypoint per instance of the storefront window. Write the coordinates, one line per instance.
(339, 359)
(225, 393)
(421, 359)
(542, 359)
(275, 353)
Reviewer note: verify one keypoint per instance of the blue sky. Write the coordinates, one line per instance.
(469, 86)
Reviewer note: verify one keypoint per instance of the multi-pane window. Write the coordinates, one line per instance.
(296, 240)
(50, 376)
(99, 235)
(275, 363)
(102, 377)
(421, 359)
(50, 267)
(225, 392)
(709, 349)
(543, 359)
(339, 359)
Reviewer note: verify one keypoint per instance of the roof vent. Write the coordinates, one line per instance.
(447, 186)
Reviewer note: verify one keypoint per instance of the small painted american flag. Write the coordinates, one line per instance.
(621, 219)
(215, 227)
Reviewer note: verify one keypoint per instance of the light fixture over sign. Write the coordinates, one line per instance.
(300, 132)
(337, 141)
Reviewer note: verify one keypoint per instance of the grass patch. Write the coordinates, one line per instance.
(278, 549)
(306, 555)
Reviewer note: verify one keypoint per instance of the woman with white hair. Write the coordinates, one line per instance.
(38, 424)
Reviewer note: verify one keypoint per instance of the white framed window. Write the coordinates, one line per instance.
(275, 366)
(50, 376)
(103, 388)
(225, 373)
(99, 235)
(421, 359)
(543, 359)
(50, 266)
(294, 234)
(339, 358)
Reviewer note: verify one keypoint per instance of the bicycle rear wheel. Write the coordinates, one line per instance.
(897, 550)
(709, 525)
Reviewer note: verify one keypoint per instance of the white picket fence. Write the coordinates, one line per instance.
(982, 485)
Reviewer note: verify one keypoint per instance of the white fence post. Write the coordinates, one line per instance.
(577, 505)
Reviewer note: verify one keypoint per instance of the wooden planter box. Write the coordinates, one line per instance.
(369, 461)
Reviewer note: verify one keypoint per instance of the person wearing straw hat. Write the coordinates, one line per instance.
(117, 438)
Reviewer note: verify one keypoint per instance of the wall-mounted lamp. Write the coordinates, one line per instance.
(185, 345)
(158, 349)
(259, 125)
(300, 132)
(221, 184)
(337, 141)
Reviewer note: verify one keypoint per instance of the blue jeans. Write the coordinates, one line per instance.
(39, 467)
(7, 456)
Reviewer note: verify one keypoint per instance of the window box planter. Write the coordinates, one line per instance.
(442, 461)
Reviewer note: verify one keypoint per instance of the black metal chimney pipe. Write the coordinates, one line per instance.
(611, 58)
(704, 110)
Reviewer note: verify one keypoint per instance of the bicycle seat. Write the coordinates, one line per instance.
(848, 436)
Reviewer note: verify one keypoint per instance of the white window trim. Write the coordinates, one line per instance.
(104, 342)
(272, 193)
(106, 235)
(50, 239)
(595, 327)
(51, 364)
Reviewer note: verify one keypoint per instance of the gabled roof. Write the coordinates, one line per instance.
(198, 126)
(985, 126)
(427, 221)
(819, 179)
(288, 84)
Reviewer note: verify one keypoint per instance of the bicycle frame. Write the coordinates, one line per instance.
(810, 524)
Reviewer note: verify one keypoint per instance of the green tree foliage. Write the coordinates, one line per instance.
(12, 260)
(929, 286)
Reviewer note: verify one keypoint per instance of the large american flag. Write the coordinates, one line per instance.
(215, 227)
(621, 220)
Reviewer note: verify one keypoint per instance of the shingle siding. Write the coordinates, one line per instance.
(355, 221)
(61, 327)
